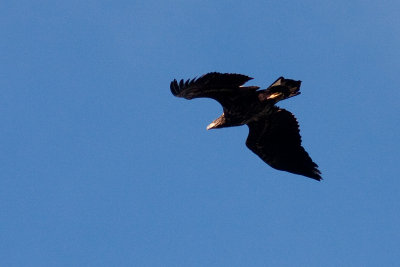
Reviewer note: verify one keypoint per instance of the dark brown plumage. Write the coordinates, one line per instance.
(274, 133)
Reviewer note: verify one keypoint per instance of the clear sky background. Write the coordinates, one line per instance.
(101, 166)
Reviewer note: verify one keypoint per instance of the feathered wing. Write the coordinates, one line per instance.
(277, 141)
(219, 86)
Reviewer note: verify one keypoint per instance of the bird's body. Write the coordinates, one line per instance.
(274, 133)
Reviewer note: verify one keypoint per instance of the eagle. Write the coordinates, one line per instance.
(274, 133)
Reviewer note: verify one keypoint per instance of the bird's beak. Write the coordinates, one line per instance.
(211, 125)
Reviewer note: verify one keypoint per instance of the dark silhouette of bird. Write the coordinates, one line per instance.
(274, 133)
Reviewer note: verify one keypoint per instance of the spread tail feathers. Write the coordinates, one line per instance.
(282, 88)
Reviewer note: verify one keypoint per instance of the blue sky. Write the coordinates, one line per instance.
(102, 166)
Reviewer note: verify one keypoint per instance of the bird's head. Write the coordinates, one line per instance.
(218, 123)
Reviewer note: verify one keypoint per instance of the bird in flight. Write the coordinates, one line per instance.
(274, 133)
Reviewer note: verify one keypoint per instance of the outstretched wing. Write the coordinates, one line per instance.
(277, 141)
(219, 86)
